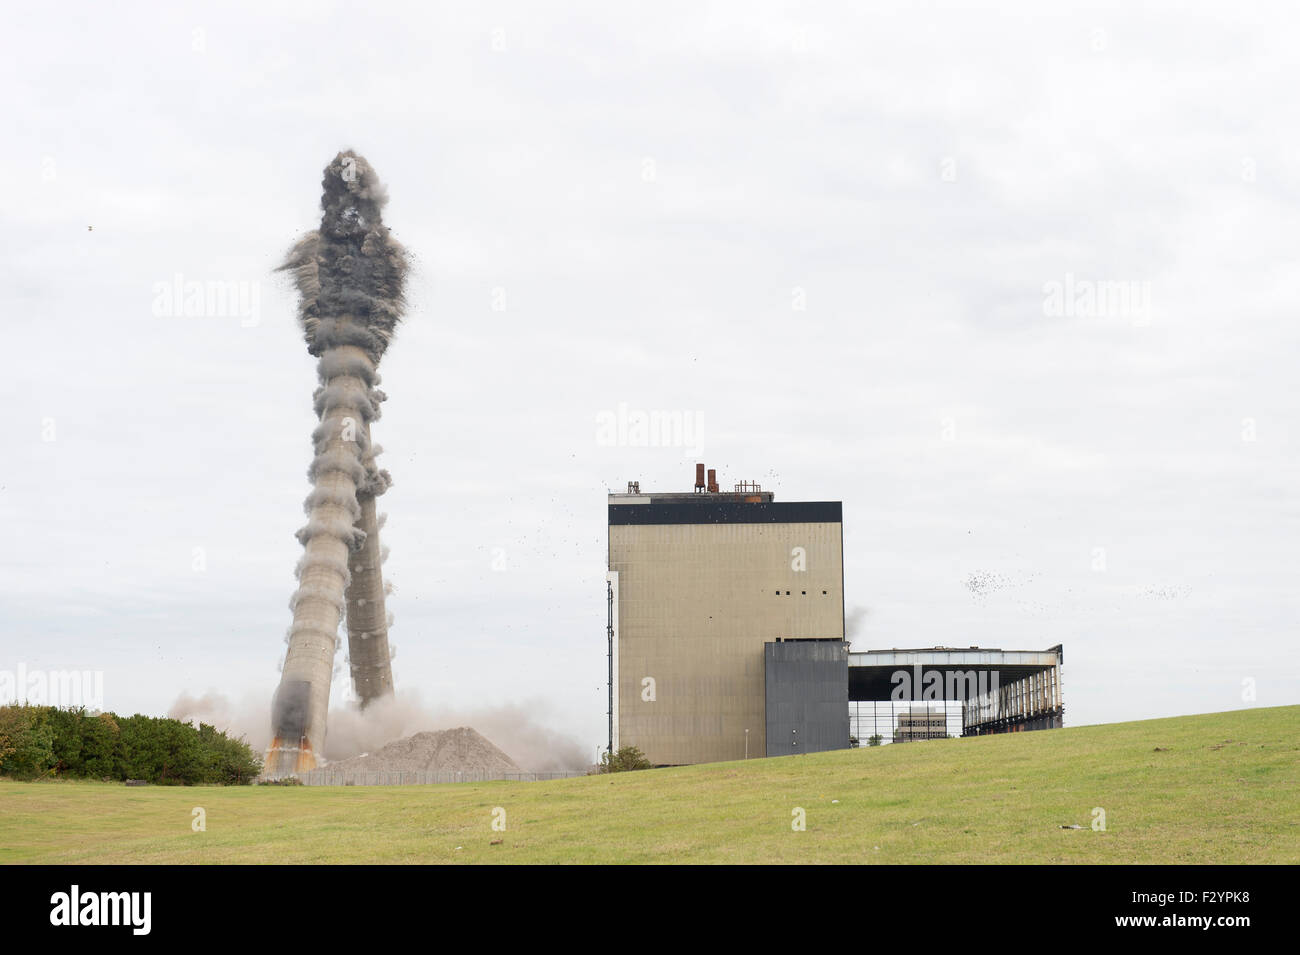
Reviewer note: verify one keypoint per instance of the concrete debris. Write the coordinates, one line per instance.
(456, 750)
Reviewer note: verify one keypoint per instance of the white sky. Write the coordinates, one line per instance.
(649, 191)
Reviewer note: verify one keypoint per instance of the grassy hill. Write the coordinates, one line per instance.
(1222, 788)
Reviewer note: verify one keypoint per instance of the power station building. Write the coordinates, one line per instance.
(726, 638)
(699, 583)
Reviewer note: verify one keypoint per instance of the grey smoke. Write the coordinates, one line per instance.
(855, 619)
(327, 397)
(514, 728)
(325, 495)
(343, 530)
(350, 273)
(248, 718)
(305, 591)
(345, 461)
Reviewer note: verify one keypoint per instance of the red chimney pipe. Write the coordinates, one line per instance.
(699, 477)
(713, 481)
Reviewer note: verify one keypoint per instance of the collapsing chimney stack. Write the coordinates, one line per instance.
(699, 477)
(350, 275)
(713, 481)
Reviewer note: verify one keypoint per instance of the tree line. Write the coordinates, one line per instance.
(41, 742)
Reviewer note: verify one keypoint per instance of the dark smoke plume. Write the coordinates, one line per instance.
(350, 273)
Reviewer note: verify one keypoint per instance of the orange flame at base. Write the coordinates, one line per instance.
(286, 759)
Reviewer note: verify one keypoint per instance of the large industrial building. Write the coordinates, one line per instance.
(726, 639)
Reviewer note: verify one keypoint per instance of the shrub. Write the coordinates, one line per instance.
(627, 758)
(44, 740)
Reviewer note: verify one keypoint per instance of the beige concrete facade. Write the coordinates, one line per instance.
(696, 602)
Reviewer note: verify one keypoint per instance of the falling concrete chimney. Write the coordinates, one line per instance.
(699, 477)
(350, 276)
(713, 481)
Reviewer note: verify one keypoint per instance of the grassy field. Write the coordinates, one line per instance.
(1221, 788)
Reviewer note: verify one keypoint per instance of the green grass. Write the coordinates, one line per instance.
(1216, 788)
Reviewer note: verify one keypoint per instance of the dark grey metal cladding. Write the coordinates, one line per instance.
(709, 511)
(807, 700)
(883, 683)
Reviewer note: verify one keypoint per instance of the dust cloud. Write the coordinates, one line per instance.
(514, 728)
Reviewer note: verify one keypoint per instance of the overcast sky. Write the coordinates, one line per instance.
(1020, 288)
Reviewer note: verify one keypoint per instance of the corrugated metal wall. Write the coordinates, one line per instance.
(807, 696)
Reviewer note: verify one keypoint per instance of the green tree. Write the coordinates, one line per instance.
(68, 742)
(103, 756)
(12, 725)
(26, 741)
(163, 751)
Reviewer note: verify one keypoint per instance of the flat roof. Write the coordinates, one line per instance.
(955, 656)
(691, 496)
(872, 672)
